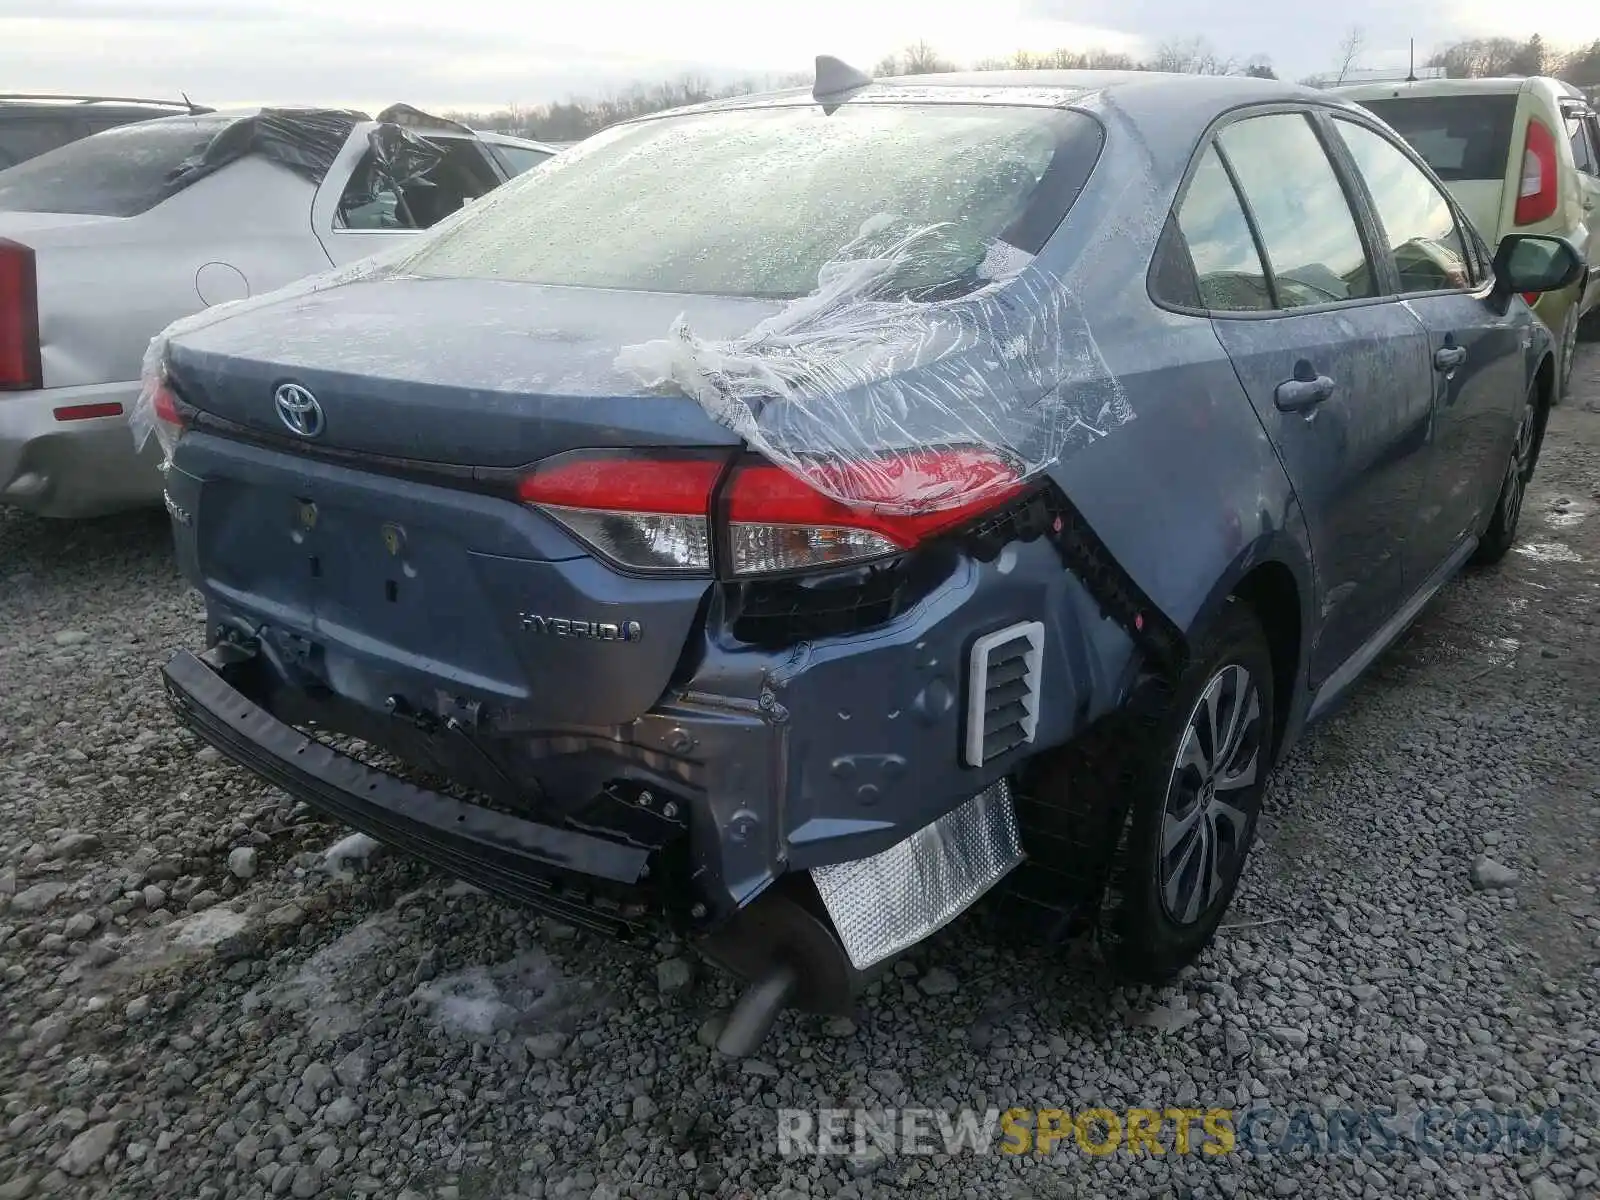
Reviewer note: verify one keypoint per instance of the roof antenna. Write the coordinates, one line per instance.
(1411, 72)
(188, 101)
(835, 77)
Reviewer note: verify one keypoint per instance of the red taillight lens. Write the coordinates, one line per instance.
(777, 522)
(654, 514)
(641, 514)
(164, 405)
(1537, 196)
(1532, 298)
(19, 320)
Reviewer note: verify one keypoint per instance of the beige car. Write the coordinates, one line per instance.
(1520, 156)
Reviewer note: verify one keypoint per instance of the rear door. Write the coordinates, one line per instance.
(1475, 353)
(1335, 368)
(1584, 131)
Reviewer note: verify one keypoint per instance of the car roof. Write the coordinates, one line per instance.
(1053, 89)
(511, 139)
(1509, 85)
(47, 102)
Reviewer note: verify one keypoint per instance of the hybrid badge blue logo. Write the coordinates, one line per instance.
(298, 410)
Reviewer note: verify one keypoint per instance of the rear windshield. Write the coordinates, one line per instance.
(119, 173)
(1461, 137)
(754, 202)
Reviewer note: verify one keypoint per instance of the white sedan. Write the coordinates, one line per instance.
(107, 240)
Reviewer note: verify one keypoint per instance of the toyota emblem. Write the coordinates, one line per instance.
(298, 410)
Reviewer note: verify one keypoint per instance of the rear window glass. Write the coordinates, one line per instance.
(119, 173)
(1460, 137)
(754, 202)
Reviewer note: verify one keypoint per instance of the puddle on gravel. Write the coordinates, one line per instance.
(1554, 552)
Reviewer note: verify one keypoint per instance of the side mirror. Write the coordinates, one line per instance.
(1530, 262)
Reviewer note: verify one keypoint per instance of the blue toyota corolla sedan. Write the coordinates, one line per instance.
(797, 515)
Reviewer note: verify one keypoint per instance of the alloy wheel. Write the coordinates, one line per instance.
(1521, 467)
(1210, 795)
(1569, 348)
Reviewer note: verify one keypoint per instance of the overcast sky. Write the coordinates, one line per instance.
(484, 54)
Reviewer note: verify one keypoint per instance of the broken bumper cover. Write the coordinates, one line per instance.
(538, 865)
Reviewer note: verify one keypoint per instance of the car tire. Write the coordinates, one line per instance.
(1501, 535)
(1192, 804)
(1567, 352)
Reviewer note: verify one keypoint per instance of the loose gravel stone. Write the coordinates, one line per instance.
(1487, 875)
(242, 862)
(38, 897)
(85, 1152)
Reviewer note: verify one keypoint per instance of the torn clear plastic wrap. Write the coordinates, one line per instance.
(917, 341)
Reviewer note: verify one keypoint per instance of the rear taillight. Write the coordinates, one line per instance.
(168, 417)
(19, 320)
(1537, 195)
(778, 522)
(1531, 298)
(643, 514)
(655, 514)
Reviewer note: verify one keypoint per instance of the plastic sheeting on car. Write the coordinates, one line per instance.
(914, 340)
(306, 140)
(399, 160)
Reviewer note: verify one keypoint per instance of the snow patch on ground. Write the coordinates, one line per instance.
(207, 927)
(349, 854)
(522, 994)
(332, 988)
(1549, 552)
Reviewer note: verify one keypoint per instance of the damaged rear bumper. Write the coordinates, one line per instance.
(539, 865)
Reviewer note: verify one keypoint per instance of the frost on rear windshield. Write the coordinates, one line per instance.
(753, 202)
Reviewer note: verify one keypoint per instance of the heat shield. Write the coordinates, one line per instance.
(883, 904)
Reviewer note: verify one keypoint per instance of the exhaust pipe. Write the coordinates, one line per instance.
(786, 950)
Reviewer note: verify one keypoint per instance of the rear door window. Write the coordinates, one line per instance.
(375, 200)
(1228, 270)
(119, 173)
(517, 159)
(1584, 151)
(1423, 238)
(1460, 137)
(1307, 228)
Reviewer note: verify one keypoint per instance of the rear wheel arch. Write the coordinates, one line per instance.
(1273, 594)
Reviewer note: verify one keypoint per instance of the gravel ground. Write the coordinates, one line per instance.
(207, 992)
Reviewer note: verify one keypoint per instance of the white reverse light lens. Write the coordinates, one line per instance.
(639, 541)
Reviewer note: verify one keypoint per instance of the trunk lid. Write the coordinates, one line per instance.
(479, 372)
(413, 588)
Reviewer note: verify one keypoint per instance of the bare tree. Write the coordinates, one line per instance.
(1350, 47)
(1190, 56)
(1478, 58)
(919, 58)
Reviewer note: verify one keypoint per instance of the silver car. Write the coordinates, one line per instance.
(106, 241)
